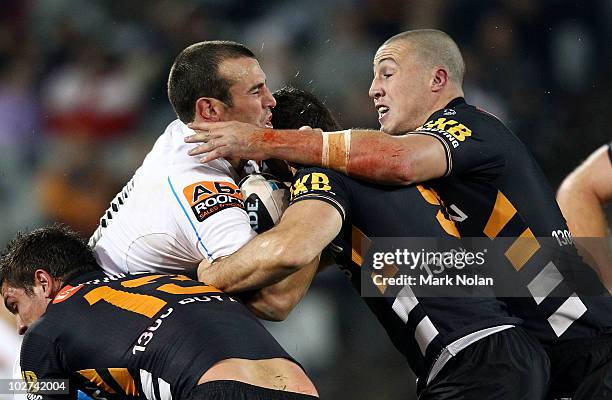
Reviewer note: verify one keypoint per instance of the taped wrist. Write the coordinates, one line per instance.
(336, 150)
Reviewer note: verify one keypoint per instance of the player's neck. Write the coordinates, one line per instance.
(444, 99)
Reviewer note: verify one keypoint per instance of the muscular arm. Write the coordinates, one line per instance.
(582, 197)
(293, 245)
(276, 301)
(373, 155)
(584, 192)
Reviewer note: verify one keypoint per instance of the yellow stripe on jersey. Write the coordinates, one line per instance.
(360, 244)
(132, 283)
(124, 379)
(92, 376)
(523, 248)
(432, 197)
(502, 213)
(387, 271)
(176, 289)
(138, 303)
(181, 278)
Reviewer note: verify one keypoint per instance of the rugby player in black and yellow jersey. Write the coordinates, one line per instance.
(455, 345)
(147, 336)
(490, 184)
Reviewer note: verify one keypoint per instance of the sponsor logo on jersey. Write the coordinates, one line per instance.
(29, 376)
(208, 198)
(453, 131)
(448, 112)
(66, 292)
(315, 182)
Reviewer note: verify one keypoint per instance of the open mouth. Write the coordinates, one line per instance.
(382, 110)
(268, 123)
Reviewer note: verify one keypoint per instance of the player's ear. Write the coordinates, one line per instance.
(439, 79)
(45, 281)
(208, 109)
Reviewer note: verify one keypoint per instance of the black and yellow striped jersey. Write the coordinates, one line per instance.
(494, 189)
(146, 336)
(420, 325)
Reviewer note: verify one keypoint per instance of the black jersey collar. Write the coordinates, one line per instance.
(80, 277)
(455, 102)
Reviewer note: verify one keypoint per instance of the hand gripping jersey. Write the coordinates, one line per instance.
(141, 336)
(428, 330)
(173, 213)
(494, 188)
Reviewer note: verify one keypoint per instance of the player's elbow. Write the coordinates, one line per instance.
(405, 169)
(271, 308)
(405, 175)
(574, 185)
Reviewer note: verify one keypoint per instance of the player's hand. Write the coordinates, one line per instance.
(226, 139)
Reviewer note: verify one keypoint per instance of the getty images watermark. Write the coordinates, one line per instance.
(524, 266)
(434, 267)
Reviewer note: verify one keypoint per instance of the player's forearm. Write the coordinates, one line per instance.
(264, 261)
(382, 158)
(364, 154)
(582, 208)
(299, 146)
(275, 302)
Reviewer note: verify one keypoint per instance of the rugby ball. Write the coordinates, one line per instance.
(265, 200)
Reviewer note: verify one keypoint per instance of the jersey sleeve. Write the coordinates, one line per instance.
(210, 210)
(324, 185)
(41, 361)
(472, 149)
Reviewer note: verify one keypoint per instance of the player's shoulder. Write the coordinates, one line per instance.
(319, 171)
(459, 112)
(461, 122)
(43, 332)
(169, 155)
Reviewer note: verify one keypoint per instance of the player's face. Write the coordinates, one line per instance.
(28, 308)
(400, 88)
(252, 101)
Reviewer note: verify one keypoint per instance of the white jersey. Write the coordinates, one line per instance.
(173, 213)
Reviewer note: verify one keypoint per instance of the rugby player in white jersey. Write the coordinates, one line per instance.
(175, 211)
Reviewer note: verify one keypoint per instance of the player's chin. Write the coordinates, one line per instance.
(387, 128)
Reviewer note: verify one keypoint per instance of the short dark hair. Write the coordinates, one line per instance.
(56, 249)
(195, 74)
(296, 108)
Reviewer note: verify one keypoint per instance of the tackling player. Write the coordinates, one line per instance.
(455, 345)
(149, 336)
(490, 183)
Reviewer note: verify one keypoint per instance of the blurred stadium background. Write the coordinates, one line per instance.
(82, 99)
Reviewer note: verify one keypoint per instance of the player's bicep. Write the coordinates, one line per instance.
(424, 157)
(465, 150)
(318, 219)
